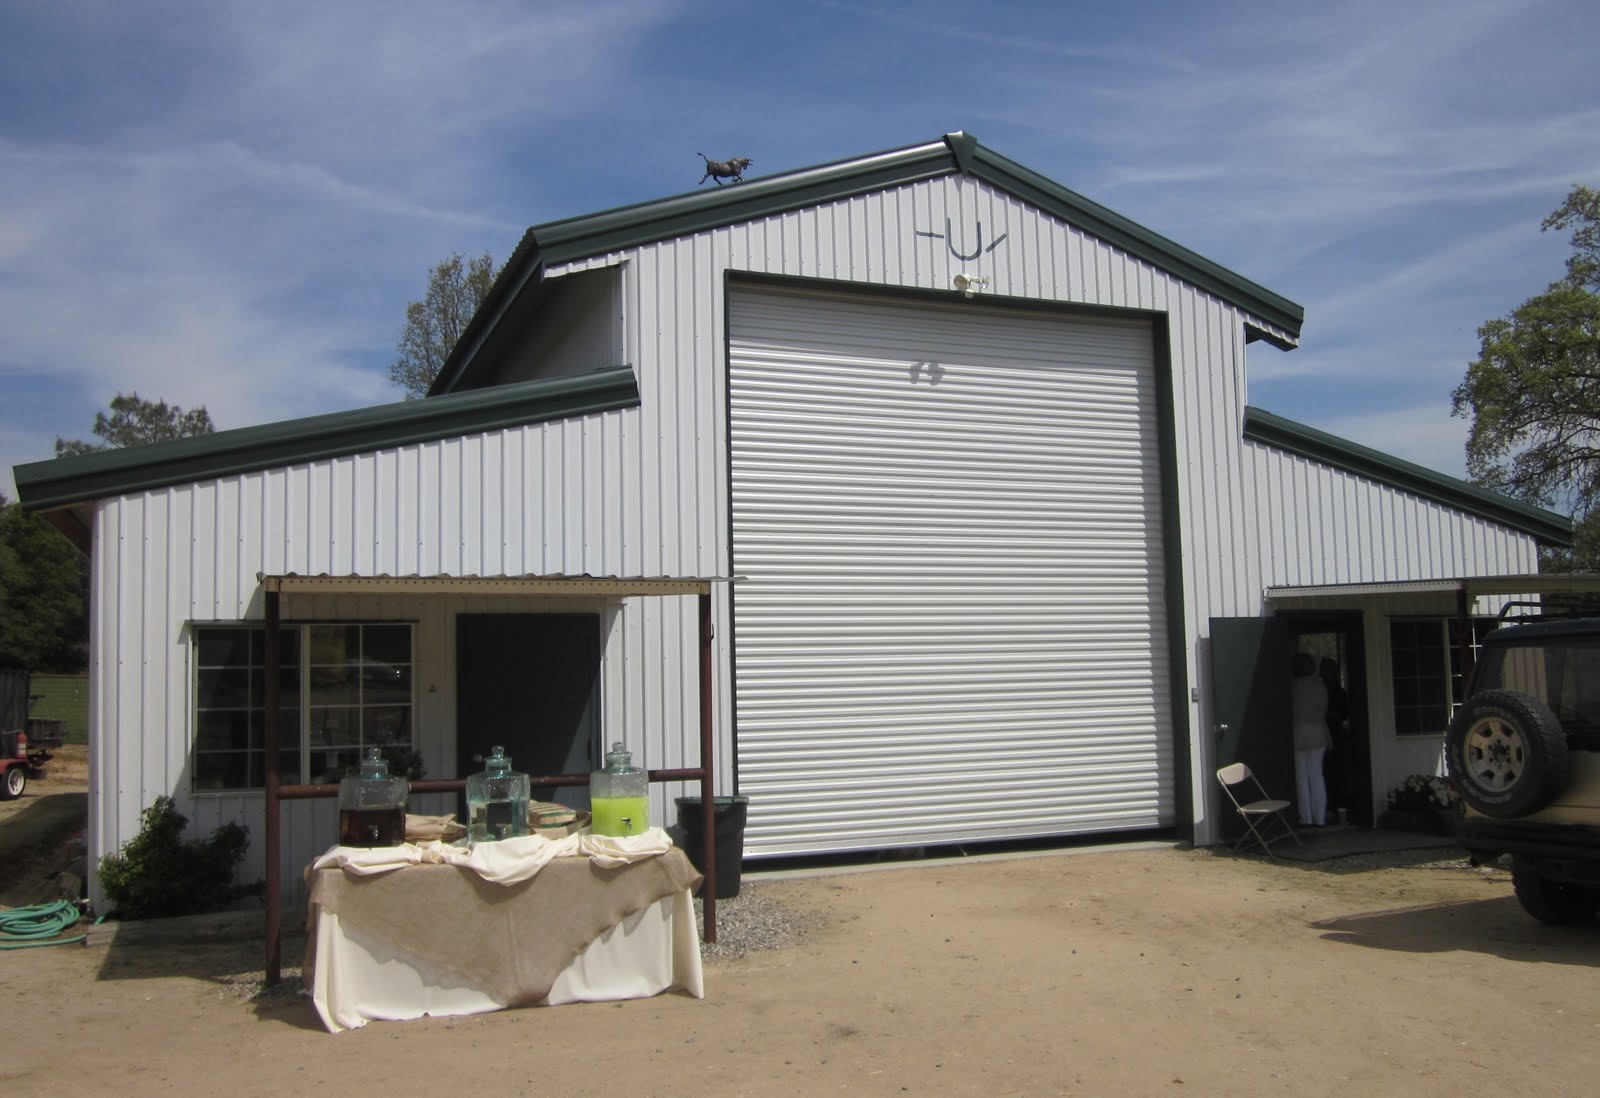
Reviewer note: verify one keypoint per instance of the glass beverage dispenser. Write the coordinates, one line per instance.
(497, 800)
(619, 795)
(372, 804)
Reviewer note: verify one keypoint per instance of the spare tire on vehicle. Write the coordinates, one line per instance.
(1507, 753)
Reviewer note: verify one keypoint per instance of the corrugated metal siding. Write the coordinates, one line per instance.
(675, 320)
(557, 498)
(645, 491)
(579, 329)
(1319, 525)
(950, 521)
(674, 301)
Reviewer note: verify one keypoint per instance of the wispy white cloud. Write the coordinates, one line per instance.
(229, 205)
(1426, 435)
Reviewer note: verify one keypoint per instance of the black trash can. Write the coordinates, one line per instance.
(728, 816)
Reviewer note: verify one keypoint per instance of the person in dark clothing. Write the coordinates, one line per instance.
(1336, 765)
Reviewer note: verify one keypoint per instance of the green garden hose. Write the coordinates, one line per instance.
(40, 925)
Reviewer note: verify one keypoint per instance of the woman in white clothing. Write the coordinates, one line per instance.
(1311, 741)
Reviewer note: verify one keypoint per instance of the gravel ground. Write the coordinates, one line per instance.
(748, 922)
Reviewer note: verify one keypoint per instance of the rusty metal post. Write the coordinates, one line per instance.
(272, 836)
(707, 802)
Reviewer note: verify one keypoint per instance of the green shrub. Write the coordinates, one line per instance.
(158, 874)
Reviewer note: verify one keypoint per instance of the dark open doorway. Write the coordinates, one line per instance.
(1335, 642)
(529, 683)
(1251, 670)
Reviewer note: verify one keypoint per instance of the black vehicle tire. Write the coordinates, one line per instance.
(15, 781)
(1554, 903)
(1507, 753)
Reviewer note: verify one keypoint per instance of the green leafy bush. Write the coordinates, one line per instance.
(158, 873)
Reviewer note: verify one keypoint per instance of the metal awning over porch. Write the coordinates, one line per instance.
(1574, 583)
(574, 586)
(274, 588)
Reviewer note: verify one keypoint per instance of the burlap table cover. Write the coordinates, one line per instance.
(510, 941)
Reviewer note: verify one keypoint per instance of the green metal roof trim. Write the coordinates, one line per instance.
(65, 481)
(956, 153)
(1296, 438)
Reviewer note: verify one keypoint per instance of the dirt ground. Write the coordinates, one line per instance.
(1128, 972)
(41, 832)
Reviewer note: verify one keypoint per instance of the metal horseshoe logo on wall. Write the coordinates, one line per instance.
(949, 238)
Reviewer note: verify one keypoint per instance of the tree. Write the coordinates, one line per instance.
(1533, 393)
(456, 287)
(44, 583)
(134, 422)
(44, 580)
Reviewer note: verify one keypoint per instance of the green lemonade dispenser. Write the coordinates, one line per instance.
(619, 796)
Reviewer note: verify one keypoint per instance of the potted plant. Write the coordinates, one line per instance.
(1423, 802)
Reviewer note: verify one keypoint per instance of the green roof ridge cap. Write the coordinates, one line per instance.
(64, 481)
(1272, 430)
(963, 146)
(1137, 240)
(587, 236)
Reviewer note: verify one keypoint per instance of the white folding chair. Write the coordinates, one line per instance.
(1263, 810)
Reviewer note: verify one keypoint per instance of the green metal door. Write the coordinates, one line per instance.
(1251, 666)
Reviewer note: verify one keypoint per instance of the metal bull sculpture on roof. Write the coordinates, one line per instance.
(719, 170)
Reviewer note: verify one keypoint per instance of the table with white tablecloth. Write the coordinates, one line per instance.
(440, 939)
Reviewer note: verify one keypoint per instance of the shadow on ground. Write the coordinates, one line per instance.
(1353, 850)
(1498, 927)
(37, 842)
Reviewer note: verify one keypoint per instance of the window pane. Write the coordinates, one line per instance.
(386, 724)
(386, 644)
(222, 647)
(335, 727)
(334, 686)
(385, 683)
(1420, 663)
(288, 768)
(335, 644)
(331, 766)
(288, 730)
(289, 686)
(288, 646)
(221, 770)
(223, 688)
(222, 730)
(357, 682)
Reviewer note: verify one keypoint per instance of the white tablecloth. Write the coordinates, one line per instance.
(358, 979)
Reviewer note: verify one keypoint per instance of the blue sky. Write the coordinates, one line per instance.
(230, 203)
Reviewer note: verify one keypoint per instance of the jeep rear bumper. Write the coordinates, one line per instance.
(1558, 851)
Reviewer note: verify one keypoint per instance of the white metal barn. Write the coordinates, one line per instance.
(1014, 557)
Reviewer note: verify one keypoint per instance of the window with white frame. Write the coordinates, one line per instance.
(1426, 672)
(343, 686)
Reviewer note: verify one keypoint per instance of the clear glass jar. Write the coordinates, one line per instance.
(372, 804)
(497, 800)
(619, 795)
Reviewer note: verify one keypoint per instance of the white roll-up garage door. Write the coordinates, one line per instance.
(949, 517)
